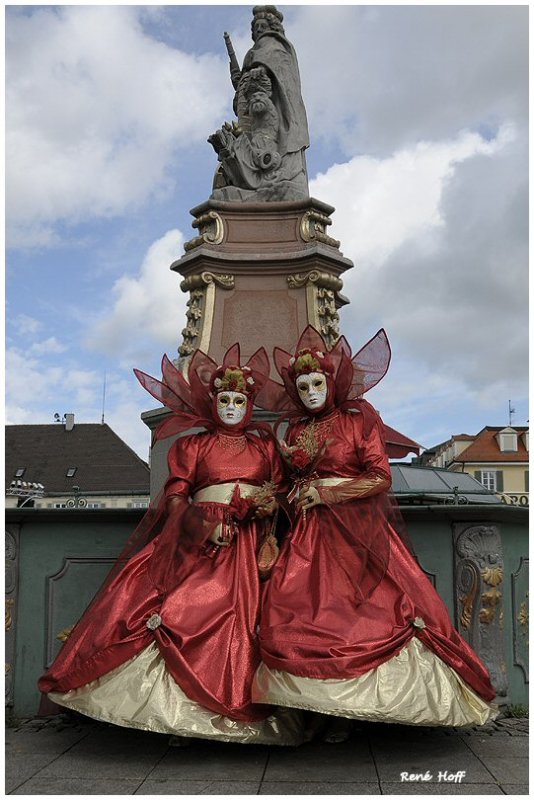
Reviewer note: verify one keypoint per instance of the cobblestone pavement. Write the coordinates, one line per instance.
(73, 755)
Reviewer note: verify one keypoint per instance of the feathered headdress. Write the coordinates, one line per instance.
(191, 400)
(350, 375)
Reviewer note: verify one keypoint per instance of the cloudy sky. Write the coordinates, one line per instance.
(418, 125)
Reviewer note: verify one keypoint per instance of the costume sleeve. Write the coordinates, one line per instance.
(182, 461)
(372, 451)
(376, 476)
(277, 469)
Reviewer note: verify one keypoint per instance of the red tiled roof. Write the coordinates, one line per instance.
(486, 448)
(104, 463)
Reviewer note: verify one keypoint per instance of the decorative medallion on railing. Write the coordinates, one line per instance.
(520, 616)
(11, 552)
(479, 596)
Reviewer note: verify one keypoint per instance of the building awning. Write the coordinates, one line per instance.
(432, 485)
(398, 445)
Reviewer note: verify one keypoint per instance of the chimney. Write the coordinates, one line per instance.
(69, 422)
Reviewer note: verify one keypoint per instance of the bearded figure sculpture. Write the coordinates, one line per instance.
(262, 155)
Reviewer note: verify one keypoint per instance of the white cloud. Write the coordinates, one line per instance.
(36, 389)
(378, 78)
(125, 401)
(35, 392)
(28, 380)
(438, 235)
(50, 345)
(383, 203)
(96, 108)
(24, 325)
(31, 235)
(18, 415)
(148, 311)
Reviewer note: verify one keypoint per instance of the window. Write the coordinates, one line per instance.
(138, 504)
(526, 480)
(57, 505)
(95, 505)
(71, 472)
(19, 473)
(491, 479)
(508, 441)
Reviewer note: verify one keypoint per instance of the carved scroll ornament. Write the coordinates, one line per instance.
(313, 227)
(211, 230)
(321, 289)
(200, 307)
(323, 280)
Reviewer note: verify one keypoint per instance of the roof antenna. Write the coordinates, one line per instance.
(510, 412)
(104, 399)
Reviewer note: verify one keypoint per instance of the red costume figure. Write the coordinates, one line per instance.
(351, 626)
(170, 642)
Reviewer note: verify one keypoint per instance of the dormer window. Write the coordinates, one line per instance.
(71, 472)
(19, 473)
(507, 439)
(525, 440)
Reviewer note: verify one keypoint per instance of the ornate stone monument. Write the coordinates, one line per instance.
(262, 264)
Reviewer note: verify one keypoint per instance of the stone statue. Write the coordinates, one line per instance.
(262, 155)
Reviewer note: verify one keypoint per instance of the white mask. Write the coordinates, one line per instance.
(312, 390)
(231, 407)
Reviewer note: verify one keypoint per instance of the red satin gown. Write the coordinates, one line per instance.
(335, 611)
(207, 634)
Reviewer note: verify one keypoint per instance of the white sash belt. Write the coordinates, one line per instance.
(330, 481)
(222, 492)
(295, 492)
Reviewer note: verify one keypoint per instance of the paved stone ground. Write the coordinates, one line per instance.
(73, 755)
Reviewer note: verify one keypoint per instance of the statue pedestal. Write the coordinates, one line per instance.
(258, 273)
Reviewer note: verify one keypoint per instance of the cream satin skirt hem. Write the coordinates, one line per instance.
(142, 694)
(413, 688)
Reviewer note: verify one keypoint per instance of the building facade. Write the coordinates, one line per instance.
(71, 466)
(496, 457)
